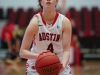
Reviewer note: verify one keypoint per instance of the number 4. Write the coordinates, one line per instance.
(50, 47)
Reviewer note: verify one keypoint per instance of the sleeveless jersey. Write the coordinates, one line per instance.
(49, 36)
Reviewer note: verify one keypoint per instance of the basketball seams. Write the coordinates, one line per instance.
(49, 64)
(44, 57)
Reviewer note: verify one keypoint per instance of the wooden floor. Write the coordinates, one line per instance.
(88, 68)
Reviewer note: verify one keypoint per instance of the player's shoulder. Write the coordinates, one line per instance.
(66, 23)
(35, 18)
(65, 19)
(33, 26)
(34, 22)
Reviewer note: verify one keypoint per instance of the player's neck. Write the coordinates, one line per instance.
(49, 15)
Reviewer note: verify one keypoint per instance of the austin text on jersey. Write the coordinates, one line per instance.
(49, 37)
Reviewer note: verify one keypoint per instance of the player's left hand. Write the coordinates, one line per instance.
(62, 69)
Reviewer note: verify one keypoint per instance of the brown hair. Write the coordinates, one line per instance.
(40, 3)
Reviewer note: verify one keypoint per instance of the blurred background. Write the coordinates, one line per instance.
(84, 16)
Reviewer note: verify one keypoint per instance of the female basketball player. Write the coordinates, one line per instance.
(51, 30)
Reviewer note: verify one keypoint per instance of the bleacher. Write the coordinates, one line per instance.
(87, 23)
(2, 53)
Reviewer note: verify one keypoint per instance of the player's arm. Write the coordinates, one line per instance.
(66, 40)
(31, 30)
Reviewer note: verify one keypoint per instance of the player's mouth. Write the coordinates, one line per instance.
(48, 3)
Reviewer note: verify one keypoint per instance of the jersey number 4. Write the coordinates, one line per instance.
(50, 47)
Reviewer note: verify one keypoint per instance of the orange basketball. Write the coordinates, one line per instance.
(48, 63)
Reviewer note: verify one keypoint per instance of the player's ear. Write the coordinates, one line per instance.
(40, 4)
(56, 2)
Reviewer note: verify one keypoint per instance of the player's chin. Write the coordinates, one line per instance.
(49, 8)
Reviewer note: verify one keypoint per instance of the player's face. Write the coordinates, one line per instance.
(49, 4)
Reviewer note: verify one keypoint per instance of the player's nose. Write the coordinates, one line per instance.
(48, 0)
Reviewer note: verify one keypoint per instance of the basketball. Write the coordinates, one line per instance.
(48, 63)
